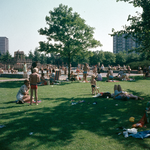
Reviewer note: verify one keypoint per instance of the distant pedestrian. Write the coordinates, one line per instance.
(24, 68)
(85, 69)
(129, 70)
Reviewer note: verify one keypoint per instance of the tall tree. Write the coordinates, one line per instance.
(36, 55)
(121, 58)
(6, 58)
(110, 58)
(139, 27)
(67, 34)
(31, 56)
(43, 59)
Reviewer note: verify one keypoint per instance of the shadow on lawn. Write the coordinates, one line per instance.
(57, 126)
(11, 84)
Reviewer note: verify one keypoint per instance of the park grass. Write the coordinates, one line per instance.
(58, 125)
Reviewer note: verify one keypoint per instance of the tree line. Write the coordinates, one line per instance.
(90, 57)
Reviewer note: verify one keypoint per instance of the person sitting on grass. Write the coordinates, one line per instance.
(122, 95)
(72, 76)
(52, 77)
(99, 77)
(121, 76)
(109, 74)
(23, 93)
(34, 79)
(43, 80)
(93, 83)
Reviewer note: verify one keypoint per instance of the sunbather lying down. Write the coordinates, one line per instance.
(122, 95)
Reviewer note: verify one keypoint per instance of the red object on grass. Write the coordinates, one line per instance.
(141, 122)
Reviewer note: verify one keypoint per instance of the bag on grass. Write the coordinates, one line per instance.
(106, 94)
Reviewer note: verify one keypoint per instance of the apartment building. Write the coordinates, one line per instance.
(123, 44)
(4, 45)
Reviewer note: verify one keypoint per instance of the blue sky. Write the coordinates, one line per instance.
(21, 20)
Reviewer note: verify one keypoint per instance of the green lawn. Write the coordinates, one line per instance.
(58, 125)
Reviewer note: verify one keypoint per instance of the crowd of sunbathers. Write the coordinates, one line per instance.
(34, 79)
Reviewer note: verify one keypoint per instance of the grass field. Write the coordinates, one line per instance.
(55, 124)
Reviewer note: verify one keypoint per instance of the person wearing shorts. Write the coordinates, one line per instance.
(34, 79)
(93, 83)
(121, 95)
(85, 69)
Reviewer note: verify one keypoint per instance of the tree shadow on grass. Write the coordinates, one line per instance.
(11, 84)
(56, 126)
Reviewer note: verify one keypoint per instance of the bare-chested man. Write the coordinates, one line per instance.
(34, 79)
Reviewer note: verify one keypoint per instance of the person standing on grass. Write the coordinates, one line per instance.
(85, 69)
(47, 70)
(24, 68)
(93, 83)
(34, 79)
(129, 69)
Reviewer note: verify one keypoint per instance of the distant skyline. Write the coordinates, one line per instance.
(21, 20)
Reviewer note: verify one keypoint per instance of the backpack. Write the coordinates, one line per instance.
(106, 94)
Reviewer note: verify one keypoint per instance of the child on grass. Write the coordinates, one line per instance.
(34, 79)
(93, 83)
(43, 80)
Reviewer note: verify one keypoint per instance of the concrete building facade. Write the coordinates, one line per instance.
(123, 44)
(4, 45)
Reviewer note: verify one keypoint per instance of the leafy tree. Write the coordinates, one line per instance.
(67, 34)
(121, 58)
(6, 57)
(132, 57)
(52, 58)
(31, 56)
(98, 57)
(36, 55)
(82, 57)
(48, 60)
(139, 27)
(142, 56)
(110, 58)
(43, 59)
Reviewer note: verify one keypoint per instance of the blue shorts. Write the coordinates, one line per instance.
(85, 72)
(117, 92)
(120, 97)
(111, 77)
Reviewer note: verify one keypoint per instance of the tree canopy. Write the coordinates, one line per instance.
(139, 27)
(67, 34)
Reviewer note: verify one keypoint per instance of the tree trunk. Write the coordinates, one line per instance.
(69, 65)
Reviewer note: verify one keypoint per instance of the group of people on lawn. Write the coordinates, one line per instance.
(29, 84)
(34, 79)
(32, 85)
(118, 94)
